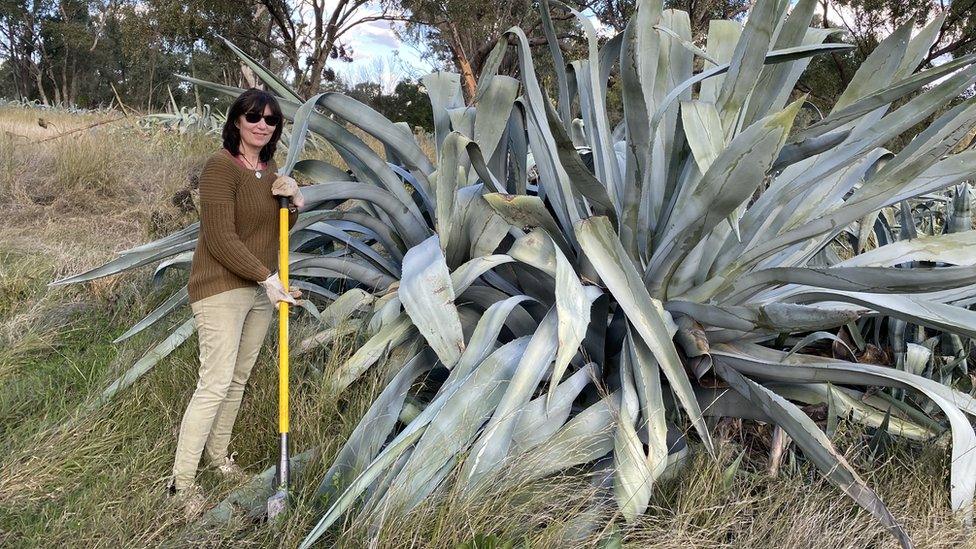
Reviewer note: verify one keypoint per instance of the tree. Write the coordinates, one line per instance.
(461, 34)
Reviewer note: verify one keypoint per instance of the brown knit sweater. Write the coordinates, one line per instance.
(238, 244)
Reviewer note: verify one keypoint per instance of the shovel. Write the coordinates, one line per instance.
(278, 503)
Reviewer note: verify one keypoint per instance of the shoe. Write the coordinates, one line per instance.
(190, 498)
(229, 469)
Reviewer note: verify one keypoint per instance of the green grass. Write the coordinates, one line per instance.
(96, 479)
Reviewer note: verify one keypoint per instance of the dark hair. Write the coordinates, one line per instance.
(252, 100)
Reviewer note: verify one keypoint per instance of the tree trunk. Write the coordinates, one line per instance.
(54, 85)
(196, 90)
(74, 84)
(40, 86)
(249, 77)
(149, 94)
(469, 81)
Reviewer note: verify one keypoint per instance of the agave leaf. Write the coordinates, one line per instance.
(320, 170)
(406, 225)
(343, 308)
(186, 233)
(173, 302)
(754, 360)
(427, 294)
(773, 57)
(883, 97)
(920, 45)
(528, 211)
(457, 422)
(585, 438)
(647, 380)
(687, 44)
(633, 476)
(480, 228)
(494, 444)
(480, 167)
(880, 280)
(444, 91)
(645, 313)
(325, 337)
(723, 35)
(541, 417)
(638, 179)
(549, 29)
(916, 310)
(182, 260)
(579, 175)
(389, 336)
(152, 357)
(308, 287)
(535, 248)
(464, 385)
(606, 167)
(381, 128)
(793, 153)
(609, 52)
(348, 267)
(878, 69)
(264, 74)
(702, 128)
(747, 62)
(573, 312)
(916, 358)
(937, 140)
(724, 402)
(462, 121)
(730, 180)
(540, 136)
(774, 317)
(300, 120)
(494, 108)
(376, 228)
(816, 447)
(820, 336)
(948, 172)
(446, 185)
(130, 260)
(368, 437)
(483, 339)
(359, 247)
(358, 485)
(775, 79)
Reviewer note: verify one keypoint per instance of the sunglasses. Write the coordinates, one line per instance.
(270, 119)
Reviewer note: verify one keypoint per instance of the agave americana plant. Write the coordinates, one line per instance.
(658, 273)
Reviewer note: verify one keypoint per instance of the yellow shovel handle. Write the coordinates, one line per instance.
(283, 317)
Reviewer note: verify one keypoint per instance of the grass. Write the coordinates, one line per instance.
(75, 479)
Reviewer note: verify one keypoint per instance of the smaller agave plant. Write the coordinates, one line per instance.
(672, 272)
(184, 119)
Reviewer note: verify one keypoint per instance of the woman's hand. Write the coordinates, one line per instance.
(286, 186)
(276, 291)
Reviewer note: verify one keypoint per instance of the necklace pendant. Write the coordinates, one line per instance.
(257, 174)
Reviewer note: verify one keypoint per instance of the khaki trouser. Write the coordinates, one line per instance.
(231, 326)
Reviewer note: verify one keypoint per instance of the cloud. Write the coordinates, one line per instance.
(371, 39)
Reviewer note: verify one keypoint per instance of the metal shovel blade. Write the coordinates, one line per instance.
(277, 504)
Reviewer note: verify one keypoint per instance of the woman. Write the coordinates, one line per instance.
(233, 282)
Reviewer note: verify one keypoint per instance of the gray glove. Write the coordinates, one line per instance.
(276, 291)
